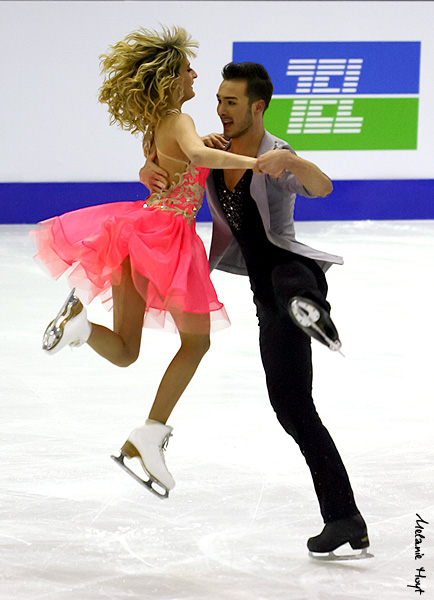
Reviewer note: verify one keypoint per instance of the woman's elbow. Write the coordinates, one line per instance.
(197, 158)
(327, 188)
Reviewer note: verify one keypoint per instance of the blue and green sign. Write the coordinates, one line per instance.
(340, 95)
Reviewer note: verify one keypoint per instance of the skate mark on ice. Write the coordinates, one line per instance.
(101, 510)
(261, 494)
(122, 539)
(12, 537)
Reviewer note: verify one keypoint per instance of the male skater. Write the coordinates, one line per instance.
(253, 234)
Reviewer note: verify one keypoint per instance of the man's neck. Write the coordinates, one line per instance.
(249, 143)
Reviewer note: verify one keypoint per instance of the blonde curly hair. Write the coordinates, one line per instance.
(141, 72)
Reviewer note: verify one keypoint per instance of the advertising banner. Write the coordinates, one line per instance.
(341, 95)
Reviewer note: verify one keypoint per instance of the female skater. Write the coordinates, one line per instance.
(146, 259)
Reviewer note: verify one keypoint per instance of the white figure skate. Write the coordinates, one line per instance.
(69, 327)
(147, 443)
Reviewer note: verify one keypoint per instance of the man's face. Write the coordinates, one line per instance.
(233, 108)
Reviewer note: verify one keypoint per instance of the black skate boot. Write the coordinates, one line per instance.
(315, 321)
(352, 530)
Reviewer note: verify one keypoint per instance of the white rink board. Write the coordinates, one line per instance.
(53, 128)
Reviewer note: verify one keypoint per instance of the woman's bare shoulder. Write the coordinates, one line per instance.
(174, 125)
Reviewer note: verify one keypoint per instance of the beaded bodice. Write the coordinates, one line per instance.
(184, 197)
(233, 201)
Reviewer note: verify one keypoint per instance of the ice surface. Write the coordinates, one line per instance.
(74, 526)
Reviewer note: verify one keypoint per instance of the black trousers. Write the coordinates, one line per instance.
(287, 359)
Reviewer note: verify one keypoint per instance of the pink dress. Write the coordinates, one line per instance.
(168, 259)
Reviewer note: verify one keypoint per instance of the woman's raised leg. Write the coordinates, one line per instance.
(122, 345)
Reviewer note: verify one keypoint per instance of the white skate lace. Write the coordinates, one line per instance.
(163, 448)
(166, 441)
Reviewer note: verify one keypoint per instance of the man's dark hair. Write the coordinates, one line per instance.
(259, 85)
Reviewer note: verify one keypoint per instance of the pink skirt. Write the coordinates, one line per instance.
(169, 265)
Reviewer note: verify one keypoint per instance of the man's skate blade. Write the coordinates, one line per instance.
(306, 316)
(334, 346)
(149, 485)
(332, 557)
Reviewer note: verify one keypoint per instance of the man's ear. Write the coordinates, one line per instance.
(259, 106)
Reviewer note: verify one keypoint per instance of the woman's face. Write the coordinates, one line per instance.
(186, 78)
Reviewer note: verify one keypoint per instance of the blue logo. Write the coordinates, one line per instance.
(336, 67)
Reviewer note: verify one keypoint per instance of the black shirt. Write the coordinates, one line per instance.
(243, 216)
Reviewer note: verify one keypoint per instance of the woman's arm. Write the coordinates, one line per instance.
(156, 179)
(201, 156)
(277, 162)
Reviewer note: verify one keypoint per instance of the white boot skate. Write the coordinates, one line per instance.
(69, 327)
(147, 443)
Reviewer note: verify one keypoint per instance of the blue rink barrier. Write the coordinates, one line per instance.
(350, 200)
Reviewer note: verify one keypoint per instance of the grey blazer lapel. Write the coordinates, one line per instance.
(258, 187)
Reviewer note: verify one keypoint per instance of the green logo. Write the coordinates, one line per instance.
(345, 124)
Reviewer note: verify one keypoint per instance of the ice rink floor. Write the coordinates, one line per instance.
(75, 527)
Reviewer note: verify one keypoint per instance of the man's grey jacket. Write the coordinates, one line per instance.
(275, 198)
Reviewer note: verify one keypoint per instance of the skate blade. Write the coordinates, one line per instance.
(54, 332)
(333, 346)
(332, 557)
(149, 484)
(52, 336)
(307, 316)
